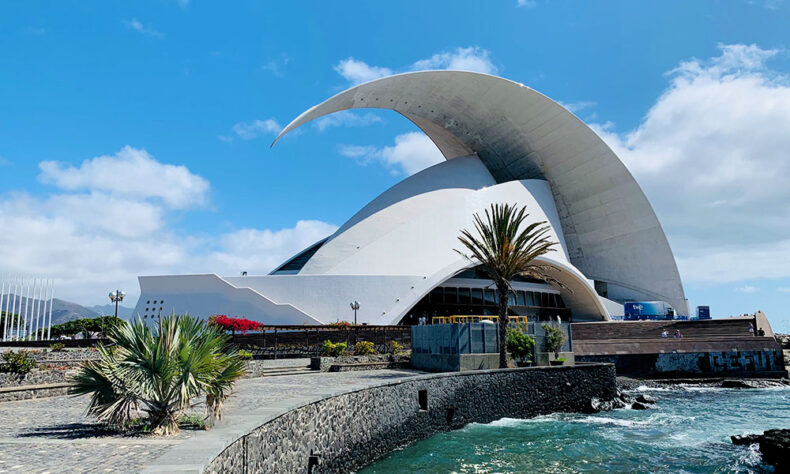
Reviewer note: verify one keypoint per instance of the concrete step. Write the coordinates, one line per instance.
(278, 371)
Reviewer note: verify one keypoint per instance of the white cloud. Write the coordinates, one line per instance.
(136, 25)
(91, 237)
(577, 107)
(130, 172)
(4, 161)
(412, 152)
(256, 128)
(358, 72)
(783, 290)
(747, 289)
(526, 3)
(277, 66)
(712, 155)
(260, 251)
(473, 58)
(346, 118)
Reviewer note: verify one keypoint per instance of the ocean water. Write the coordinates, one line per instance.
(688, 432)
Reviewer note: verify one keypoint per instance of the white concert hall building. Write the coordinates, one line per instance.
(503, 143)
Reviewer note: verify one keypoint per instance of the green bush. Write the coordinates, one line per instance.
(17, 362)
(394, 347)
(159, 371)
(364, 348)
(244, 354)
(333, 349)
(519, 344)
(555, 336)
(84, 326)
(57, 347)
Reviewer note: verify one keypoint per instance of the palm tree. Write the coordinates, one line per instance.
(159, 372)
(505, 251)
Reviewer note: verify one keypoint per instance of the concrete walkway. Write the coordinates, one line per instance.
(54, 435)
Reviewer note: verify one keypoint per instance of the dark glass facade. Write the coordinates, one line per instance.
(449, 301)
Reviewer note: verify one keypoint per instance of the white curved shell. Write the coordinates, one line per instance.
(610, 230)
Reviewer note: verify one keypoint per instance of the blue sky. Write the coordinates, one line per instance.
(134, 136)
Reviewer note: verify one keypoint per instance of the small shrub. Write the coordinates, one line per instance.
(555, 336)
(364, 348)
(192, 421)
(17, 362)
(394, 347)
(57, 347)
(340, 324)
(244, 354)
(519, 344)
(333, 349)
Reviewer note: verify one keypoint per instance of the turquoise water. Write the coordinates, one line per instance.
(688, 432)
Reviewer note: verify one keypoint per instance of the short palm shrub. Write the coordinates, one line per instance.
(394, 347)
(159, 372)
(57, 347)
(246, 355)
(555, 336)
(17, 362)
(519, 344)
(364, 348)
(333, 349)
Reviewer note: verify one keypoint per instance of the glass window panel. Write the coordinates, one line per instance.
(520, 298)
(511, 298)
(530, 298)
(490, 297)
(463, 296)
(560, 303)
(477, 296)
(450, 295)
(436, 296)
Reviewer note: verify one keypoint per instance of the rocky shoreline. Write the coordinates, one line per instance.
(774, 446)
(628, 384)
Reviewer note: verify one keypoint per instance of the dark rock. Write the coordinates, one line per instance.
(645, 399)
(731, 383)
(774, 446)
(638, 406)
(752, 383)
(593, 406)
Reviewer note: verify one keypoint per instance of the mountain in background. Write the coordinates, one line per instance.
(64, 311)
(124, 312)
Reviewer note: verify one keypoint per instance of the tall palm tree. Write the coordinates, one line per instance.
(159, 372)
(505, 251)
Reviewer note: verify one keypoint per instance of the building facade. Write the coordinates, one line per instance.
(503, 143)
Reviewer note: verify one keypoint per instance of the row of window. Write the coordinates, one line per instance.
(149, 302)
(486, 296)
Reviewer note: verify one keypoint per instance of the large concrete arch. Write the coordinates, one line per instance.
(611, 231)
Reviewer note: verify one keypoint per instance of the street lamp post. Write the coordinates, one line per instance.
(116, 297)
(355, 307)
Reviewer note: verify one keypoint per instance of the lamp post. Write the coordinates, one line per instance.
(355, 307)
(116, 297)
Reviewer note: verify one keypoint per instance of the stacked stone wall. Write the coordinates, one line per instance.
(347, 432)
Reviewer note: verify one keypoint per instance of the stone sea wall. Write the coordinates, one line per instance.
(347, 432)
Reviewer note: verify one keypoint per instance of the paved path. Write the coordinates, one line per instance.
(54, 435)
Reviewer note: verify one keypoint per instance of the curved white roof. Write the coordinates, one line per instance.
(611, 231)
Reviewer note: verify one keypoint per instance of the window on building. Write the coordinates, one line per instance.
(464, 296)
(511, 298)
(520, 298)
(477, 296)
(490, 296)
(436, 296)
(450, 295)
